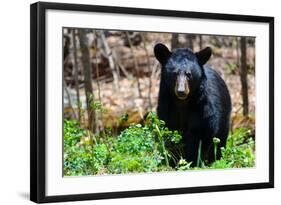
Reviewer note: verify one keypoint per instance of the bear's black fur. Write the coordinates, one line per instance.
(194, 100)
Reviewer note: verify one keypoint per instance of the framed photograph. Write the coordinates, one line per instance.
(129, 102)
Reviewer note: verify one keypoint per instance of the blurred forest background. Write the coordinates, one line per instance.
(118, 70)
(111, 81)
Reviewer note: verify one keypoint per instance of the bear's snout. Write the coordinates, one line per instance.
(181, 88)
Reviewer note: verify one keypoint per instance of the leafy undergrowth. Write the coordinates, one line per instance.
(143, 148)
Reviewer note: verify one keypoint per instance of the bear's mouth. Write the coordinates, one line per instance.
(181, 95)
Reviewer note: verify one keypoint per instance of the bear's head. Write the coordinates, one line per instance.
(182, 70)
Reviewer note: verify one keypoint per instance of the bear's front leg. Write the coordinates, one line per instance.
(191, 149)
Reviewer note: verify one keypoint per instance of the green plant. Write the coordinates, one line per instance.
(144, 148)
(165, 137)
(131, 149)
(239, 151)
(183, 165)
(216, 141)
(72, 133)
(139, 148)
(76, 160)
(199, 160)
(124, 118)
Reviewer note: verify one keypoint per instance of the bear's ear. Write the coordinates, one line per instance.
(204, 55)
(162, 53)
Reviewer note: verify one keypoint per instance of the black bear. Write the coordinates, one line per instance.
(194, 100)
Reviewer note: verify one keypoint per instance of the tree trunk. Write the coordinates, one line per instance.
(149, 68)
(76, 74)
(98, 82)
(87, 76)
(135, 62)
(237, 51)
(69, 99)
(243, 76)
(200, 42)
(175, 41)
(189, 41)
(111, 61)
(66, 46)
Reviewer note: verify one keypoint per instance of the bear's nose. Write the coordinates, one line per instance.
(181, 93)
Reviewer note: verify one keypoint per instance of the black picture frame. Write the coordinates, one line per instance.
(38, 100)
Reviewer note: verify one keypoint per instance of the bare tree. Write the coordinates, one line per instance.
(97, 65)
(238, 51)
(189, 41)
(87, 76)
(123, 69)
(66, 46)
(243, 76)
(149, 68)
(175, 40)
(97, 78)
(76, 73)
(69, 99)
(135, 62)
(200, 42)
(112, 66)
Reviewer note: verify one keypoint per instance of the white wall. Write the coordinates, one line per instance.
(14, 100)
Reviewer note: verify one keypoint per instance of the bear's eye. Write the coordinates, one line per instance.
(188, 75)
